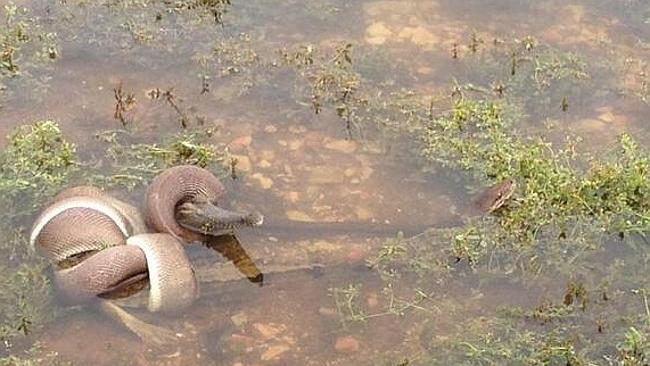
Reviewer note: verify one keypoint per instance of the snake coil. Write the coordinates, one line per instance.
(99, 244)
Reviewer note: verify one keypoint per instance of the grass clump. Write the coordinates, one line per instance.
(33, 357)
(216, 9)
(36, 163)
(635, 348)
(511, 338)
(18, 32)
(331, 82)
(25, 290)
(233, 58)
(25, 47)
(561, 192)
(525, 348)
(133, 164)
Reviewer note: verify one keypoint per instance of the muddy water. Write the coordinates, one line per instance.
(299, 167)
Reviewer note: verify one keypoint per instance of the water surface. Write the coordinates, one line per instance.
(298, 166)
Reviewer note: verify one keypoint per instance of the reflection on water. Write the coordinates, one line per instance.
(332, 202)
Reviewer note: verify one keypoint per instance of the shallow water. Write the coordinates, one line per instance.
(302, 168)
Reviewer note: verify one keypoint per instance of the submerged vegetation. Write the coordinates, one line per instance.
(22, 41)
(137, 163)
(331, 82)
(564, 194)
(36, 163)
(26, 47)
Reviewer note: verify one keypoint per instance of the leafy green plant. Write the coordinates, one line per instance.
(634, 349)
(36, 163)
(610, 194)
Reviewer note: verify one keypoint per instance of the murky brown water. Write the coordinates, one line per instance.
(298, 166)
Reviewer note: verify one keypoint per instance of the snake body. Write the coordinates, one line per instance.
(99, 245)
(174, 284)
(101, 273)
(172, 188)
(59, 232)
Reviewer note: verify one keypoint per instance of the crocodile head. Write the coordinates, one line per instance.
(494, 196)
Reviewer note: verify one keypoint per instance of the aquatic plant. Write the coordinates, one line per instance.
(25, 300)
(237, 59)
(133, 164)
(587, 323)
(332, 82)
(635, 348)
(34, 356)
(214, 8)
(560, 187)
(25, 46)
(36, 163)
(22, 40)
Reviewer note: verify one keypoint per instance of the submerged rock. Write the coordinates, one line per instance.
(274, 352)
(347, 344)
